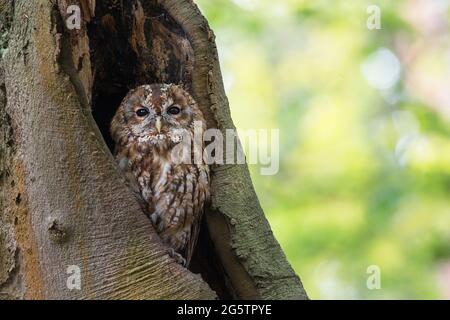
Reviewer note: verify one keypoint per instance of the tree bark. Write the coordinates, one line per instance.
(63, 201)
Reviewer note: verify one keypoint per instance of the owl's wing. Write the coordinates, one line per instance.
(203, 198)
(131, 181)
(134, 187)
(192, 240)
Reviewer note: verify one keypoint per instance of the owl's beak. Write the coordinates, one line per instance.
(158, 124)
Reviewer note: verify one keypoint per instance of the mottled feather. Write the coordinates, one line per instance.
(173, 194)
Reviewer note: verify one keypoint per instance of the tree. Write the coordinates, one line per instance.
(66, 213)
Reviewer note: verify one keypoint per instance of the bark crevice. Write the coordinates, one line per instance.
(10, 281)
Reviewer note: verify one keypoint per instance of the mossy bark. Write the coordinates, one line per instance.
(63, 201)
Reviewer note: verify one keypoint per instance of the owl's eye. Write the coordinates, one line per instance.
(142, 112)
(173, 110)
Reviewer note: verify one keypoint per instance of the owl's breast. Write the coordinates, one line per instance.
(174, 194)
(177, 192)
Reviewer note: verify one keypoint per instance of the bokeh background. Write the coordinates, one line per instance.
(364, 118)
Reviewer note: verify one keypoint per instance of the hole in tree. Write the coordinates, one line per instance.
(133, 44)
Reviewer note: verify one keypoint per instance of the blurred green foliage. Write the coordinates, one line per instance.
(364, 173)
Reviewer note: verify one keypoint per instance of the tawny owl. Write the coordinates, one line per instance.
(150, 122)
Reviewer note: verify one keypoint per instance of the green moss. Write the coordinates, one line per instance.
(6, 11)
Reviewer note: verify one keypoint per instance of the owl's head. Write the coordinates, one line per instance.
(156, 113)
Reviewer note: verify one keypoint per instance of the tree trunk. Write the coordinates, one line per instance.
(63, 201)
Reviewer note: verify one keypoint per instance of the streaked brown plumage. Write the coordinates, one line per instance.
(149, 123)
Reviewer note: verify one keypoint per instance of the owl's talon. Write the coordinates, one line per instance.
(177, 257)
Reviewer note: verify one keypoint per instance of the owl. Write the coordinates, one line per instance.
(150, 123)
